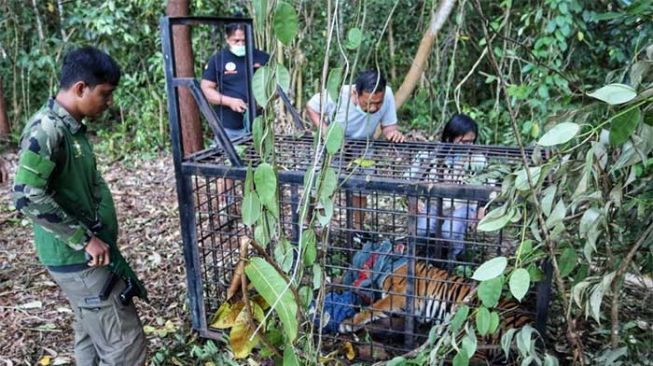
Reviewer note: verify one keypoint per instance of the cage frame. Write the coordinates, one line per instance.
(193, 165)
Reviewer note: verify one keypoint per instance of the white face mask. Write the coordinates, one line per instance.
(360, 110)
(237, 50)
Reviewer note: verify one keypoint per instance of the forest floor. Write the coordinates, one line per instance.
(35, 318)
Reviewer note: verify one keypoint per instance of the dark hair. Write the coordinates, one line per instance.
(231, 28)
(90, 65)
(370, 81)
(458, 125)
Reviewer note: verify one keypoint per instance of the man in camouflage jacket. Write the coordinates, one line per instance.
(59, 188)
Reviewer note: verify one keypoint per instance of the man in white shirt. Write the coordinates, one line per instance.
(359, 108)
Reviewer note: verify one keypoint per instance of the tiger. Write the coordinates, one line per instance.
(437, 294)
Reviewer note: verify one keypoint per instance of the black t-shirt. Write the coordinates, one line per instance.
(229, 72)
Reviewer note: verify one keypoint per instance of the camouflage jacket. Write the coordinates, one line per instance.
(57, 185)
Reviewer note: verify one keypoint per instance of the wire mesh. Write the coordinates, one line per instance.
(403, 224)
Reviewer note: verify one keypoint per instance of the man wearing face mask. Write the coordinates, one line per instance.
(361, 108)
(224, 81)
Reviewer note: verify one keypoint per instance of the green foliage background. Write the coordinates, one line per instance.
(551, 53)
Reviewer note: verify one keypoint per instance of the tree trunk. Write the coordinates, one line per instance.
(191, 131)
(417, 68)
(4, 121)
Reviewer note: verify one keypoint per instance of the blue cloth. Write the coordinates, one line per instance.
(337, 308)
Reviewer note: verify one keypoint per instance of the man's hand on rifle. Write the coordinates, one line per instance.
(99, 252)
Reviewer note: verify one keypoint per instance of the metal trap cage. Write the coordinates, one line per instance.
(402, 239)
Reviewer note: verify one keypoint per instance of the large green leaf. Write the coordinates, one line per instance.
(262, 85)
(459, 318)
(519, 282)
(289, 357)
(250, 208)
(614, 94)
(335, 137)
(329, 183)
(495, 219)
(354, 38)
(461, 358)
(521, 179)
(260, 13)
(623, 126)
(257, 133)
(559, 134)
(490, 269)
(506, 340)
(276, 292)
(567, 261)
(483, 320)
(494, 322)
(266, 183)
(333, 83)
(283, 77)
(285, 22)
(309, 246)
(489, 291)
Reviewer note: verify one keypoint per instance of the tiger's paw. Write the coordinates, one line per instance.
(348, 326)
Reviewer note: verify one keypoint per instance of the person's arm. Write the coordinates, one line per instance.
(32, 199)
(316, 107)
(389, 124)
(210, 90)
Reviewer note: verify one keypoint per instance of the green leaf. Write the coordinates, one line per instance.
(289, 357)
(490, 269)
(535, 273)
(614, 94)
(519, 283)
(333, 83)
(559, 134)
(521, 179)
(623, 126)
(335, 137)
(250, 208)
(283, 77)
(557, 215)
(317, 276)
(461, 359)
(306, 295)
(325, 214)
(260, 236)
(309, 246)
(469, 343)
(397, 361)
(489, 291)
(552, 361)
(459, 318)
(260, 13)
(354, 38)
(495, 219)
(261, 85)
(257, 133)
(483, 321)
(276, 292)
(506, 340)
(588, 221)
(329, 183)
(494, 322)
(567, 261)
(285, 23)
(266, 183)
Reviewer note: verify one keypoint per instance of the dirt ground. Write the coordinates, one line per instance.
(35, 318)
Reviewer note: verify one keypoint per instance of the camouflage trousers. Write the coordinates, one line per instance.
(106, 332)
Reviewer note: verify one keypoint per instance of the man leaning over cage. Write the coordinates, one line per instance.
(58, 186)
(360, 108)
